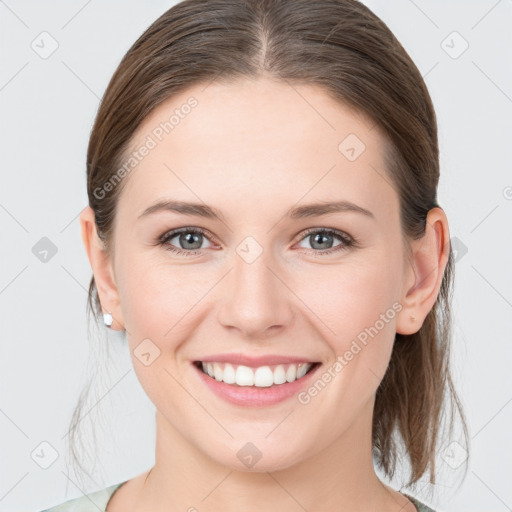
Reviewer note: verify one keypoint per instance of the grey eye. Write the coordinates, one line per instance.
(321, 240)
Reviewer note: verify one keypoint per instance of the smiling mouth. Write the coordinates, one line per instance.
(260, 377)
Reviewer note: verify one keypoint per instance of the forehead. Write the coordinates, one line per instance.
(269, 142)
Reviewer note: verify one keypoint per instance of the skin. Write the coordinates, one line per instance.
(253, 150)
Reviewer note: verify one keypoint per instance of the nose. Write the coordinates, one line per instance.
(256, 300)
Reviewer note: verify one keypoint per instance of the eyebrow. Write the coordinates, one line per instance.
(299, 212)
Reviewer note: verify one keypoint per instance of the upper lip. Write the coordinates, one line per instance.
(254, 361)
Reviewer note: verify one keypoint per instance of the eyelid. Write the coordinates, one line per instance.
(187, 229)
(342, 234)
(348, 241)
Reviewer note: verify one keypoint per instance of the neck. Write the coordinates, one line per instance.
(341, 477)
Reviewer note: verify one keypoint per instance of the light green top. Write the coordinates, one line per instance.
(93, 502)
(97, 502)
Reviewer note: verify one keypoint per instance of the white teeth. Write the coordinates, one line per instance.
(261, 377)
(301, 371)
(279, 375)
(229, 376)
(244, 376)
(217, 371)
(291, 373)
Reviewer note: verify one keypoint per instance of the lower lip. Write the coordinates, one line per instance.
(253, 396)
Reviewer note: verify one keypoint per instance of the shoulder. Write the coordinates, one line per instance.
(418, 504)
(92, 502)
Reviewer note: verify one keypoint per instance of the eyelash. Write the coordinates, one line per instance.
(347, 240)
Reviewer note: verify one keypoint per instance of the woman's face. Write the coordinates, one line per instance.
(257, 283)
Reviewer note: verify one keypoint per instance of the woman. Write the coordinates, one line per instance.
(263, 224)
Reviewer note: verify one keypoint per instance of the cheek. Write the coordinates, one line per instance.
(164, 304)
(357, 304)
(155, 296)
(350, 296)
(159, 303)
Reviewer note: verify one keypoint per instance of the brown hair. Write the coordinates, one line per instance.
(343, 47)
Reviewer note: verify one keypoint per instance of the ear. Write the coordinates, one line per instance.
(424, 273)
(102, 268)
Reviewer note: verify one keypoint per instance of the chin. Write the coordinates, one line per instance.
(257, 457)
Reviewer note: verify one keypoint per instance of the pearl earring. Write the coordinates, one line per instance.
(107, 319)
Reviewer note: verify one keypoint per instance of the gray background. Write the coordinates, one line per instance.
(47, 109)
